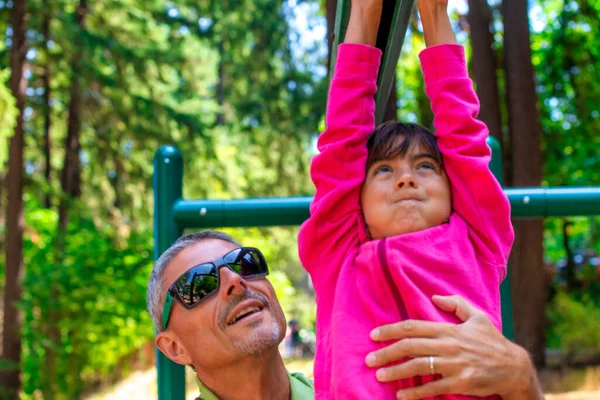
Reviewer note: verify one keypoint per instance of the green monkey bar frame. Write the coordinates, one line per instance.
(173, 214)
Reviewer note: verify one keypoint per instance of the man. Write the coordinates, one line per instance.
(215, 311)
(227, 327)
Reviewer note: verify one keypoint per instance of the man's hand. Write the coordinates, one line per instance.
(473, 357)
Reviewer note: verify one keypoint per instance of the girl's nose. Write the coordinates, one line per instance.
(405, 181)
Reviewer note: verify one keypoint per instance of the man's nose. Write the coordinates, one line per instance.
(231, 282)
(406, 180)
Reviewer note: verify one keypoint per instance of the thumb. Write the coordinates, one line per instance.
(457, 306)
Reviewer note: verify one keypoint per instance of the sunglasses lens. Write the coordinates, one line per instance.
(249, 262)
(203, 286)
(197, 283)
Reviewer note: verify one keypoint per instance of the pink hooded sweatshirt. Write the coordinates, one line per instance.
(362, 283)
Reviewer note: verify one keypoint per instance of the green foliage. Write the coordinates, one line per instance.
(566, 58)
(226, 82)
(574, 323)
(86, 304)
(584, 233)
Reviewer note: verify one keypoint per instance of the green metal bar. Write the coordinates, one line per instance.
(247, 212)
(392, 30)
(273, 211)
(555, 202)
(168, 183)
(506, 306)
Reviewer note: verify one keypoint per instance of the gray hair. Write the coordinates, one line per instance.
(156, 292)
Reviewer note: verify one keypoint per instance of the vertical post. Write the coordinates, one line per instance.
(167, 182)
(505, 291)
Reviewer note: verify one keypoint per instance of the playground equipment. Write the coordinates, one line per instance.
(173, 214)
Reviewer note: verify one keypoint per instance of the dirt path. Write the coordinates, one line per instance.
(583, 384)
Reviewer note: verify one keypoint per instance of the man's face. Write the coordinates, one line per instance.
(243, 318)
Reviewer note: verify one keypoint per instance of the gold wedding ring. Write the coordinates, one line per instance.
(431, 365)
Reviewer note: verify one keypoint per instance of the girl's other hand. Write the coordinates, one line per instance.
(433, 3)
(363, 25)
(367, 3)
(436, 23)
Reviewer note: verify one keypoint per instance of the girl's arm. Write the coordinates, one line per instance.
(363, 24)
(476, 194)
(335, 225)
(436, 24)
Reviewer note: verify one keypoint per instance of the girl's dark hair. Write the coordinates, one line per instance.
(383, 144)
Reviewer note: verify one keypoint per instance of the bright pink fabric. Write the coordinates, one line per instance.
(360, 283)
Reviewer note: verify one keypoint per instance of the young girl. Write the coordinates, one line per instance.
(399, 214)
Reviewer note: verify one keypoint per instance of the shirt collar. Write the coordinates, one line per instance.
(301, 387)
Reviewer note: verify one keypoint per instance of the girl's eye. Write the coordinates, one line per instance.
(427, 165)
(382, 169)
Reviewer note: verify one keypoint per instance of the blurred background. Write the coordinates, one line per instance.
(89, 90)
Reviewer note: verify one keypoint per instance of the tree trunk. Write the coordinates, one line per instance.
(570, 271)
(71, 174)
(484, 67)
(527, 278)
(47, 108)
(11, 347)
(2, 205)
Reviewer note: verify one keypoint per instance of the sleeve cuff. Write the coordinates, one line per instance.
(443, 61)
(353, 57)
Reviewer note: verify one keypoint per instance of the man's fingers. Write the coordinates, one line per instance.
(415, 367)
(406, 348)
(409, 328)
(431, 389)
(457, 306)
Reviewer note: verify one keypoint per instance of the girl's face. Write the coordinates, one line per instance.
(404, 194)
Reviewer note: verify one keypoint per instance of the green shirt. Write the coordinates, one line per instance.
(301, 387)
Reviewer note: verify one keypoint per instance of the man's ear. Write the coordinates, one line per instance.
(171, 346)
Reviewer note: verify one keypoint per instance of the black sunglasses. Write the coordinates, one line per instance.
(199, 282)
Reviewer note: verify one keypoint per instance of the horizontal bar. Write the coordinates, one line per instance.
(275, 211)
(285, 211)
(554, 202)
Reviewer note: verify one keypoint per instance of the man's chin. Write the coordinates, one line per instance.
(258, 341)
